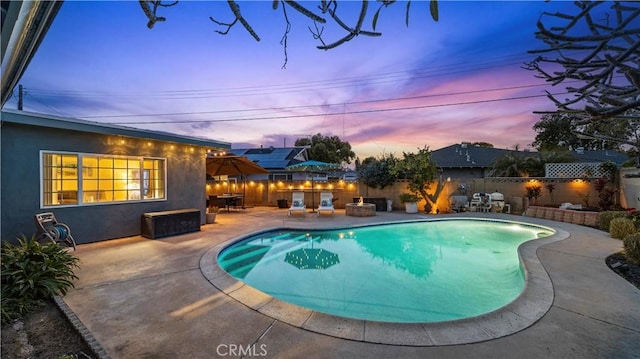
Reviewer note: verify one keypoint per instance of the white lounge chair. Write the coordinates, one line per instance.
(326, 203)
(297, 203)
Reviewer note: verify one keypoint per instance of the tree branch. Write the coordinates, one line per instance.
(151, 14)
(235, 9)
(304, 11)
(603, 94)
(353, 32)
(283, 41)
(149, 7)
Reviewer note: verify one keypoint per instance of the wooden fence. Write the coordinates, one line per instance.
(267, 193)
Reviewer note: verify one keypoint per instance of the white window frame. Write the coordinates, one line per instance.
(80, 196)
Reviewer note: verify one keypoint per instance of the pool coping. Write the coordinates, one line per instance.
(524, 311)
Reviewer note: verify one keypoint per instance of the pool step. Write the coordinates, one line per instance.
(242, 250)
(246, 248)
(250, 253)
(240, 253)
(239, 261)
(240, 265)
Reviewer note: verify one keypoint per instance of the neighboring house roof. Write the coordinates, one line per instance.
(466, 155)
(273, 158)
(41, 120)
(600, 156)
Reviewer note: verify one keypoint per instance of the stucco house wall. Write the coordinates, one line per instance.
(21, 181)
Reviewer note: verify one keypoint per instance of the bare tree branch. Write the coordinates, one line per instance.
(151, 14)
(609, 69)
(235, 9)
(283, 41)
(352, 32)
(329, 7)
(317, 34)
(304, 11)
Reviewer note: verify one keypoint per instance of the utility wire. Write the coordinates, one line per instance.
(339, 113)
(447, 70)
(397, 76)
(322, 105)
(27, 93)
(407, 75)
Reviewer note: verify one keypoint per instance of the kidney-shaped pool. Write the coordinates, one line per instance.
(426, 271)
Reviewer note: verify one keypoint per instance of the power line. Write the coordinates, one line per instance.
(332, 83)
(43, 104)
(447, 70)
(322, 105)
(340, 113)
(408, 75)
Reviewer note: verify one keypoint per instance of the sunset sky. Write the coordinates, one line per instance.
(431, 83)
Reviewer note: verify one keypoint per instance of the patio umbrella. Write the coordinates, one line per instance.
(312, 167)
(232, 165)
(311, 258)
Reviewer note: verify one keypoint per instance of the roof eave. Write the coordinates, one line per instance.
(35, 119)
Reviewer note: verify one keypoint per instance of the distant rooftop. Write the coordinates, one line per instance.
(466, 155)
(273, 158)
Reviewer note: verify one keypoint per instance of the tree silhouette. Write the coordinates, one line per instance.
(599, 50)
(377, 172)
(329, 149)
(556, 131)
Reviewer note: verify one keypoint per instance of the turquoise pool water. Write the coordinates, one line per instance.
(426, 271)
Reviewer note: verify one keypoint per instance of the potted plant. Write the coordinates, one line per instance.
(410, 201)
(211, 213)
(533, 193)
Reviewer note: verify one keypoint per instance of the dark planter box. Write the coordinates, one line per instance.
(380, 202)
(169, 223)
(283, 203)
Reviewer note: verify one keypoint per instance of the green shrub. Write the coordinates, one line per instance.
(409, 197)
(634, 214)
(31, 273)
(632, 247)
(607, 216)
(621, 227)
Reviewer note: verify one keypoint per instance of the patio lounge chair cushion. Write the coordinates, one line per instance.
(297, 203)
(326, 202)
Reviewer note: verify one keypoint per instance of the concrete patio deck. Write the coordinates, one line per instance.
(152, 298)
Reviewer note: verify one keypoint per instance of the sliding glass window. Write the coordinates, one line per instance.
(77, 179)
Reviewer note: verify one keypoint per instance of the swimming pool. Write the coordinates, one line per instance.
(425, 271)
